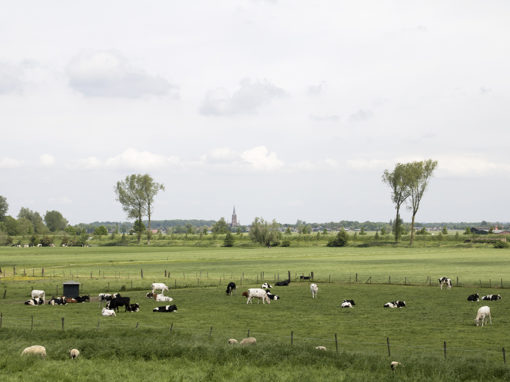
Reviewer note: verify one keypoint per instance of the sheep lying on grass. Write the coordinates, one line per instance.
(248, 341)
(35, 350)
(323, 348)
(232, 341)
(74, 353)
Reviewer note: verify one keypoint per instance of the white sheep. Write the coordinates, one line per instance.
(108, 312)
(394, 365)
(74, 353)
(257, 293)
(248, 341)
(232, 341)
(323, 348)
(161, 297)
(314, 289)
(481, 316)
(35, 350)
(159, 286)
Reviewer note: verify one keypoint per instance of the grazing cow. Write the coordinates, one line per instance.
(82, 298)
(35, 350)
(272, 296)
(481, 316)
(248, 341)
(159, 286)
(108, 312)
(118, 301)
(283, 283)
(34, 301)
(314, 289)
(74, 353)
(105, 296)
(266, 286)
(166, 308)
(133, 307)
(231, 287)
(395, 304)
(257, 293)
(162, 298)
(445, 281)
(57, 301)
(492, 297)
(38, 293)
(474, 297)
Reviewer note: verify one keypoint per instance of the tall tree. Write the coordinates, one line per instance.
(397, 181)
(4, 207)
(264, 233)
(150, 189)
(220, 226)
(35, 218)
(131, 194)
(55, 221)
(417, 175)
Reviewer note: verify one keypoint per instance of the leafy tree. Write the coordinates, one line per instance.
(467, 231)
(383, 230)
(70, 230)
(100, 231)
(35, 218)
(287, 231)
(25, 226)
(4, 207)
(149, 189)
(55, 221)
(341, 239)
(362, 231)
(399, 192)
(444, 231)
(220, 226)
(46, 241)
(417, 179)
(229, 240)
(264, 233)
(131, 194)
(376, 236)
(11, 226)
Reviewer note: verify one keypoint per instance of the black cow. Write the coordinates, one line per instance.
(473, 297)
(492, 297)
(133, 307)
(83, 298)
(166, 308)
(231, 287)
(283, 283)
(118, 301)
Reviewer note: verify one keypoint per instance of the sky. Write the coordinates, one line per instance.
(285, 109)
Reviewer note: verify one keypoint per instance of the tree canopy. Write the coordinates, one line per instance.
(55, 221)
(4, 207)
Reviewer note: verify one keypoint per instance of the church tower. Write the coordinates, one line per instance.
(234, 223)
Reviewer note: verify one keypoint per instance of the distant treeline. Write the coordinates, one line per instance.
(197, 225)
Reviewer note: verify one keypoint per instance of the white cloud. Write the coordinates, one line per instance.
(361, 115)
(10, 79)
(140, 160)
(221, 155)
(108, 74)
(47, 160)
(470, 166)
(10, 163)
(260, 158)
(248, 99)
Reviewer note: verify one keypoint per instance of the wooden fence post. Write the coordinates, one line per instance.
(5, 293)
(388, 345)
(171, 327)
(62, 323)
(490, 283)
(444, 349)
(1, 319)
(97, 323)
(32, 323)
(501, 284)
(141, 273)
(336, 342)
(210, 331)
(389, 279)
(502, 349)
(356, 277)
(136, 326)
(292, 337)
(457, 281)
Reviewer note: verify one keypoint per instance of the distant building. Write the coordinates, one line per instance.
(234, 222)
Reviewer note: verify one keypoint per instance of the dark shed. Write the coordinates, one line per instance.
(71, 289)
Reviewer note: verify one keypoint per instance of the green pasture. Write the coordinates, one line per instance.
(190, 345)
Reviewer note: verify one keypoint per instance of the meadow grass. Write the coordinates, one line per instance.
(190, 345)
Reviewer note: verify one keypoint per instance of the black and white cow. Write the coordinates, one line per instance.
(231, 287)
(82, 298)
(445, 281)
(166, 308)
(105, 296)
(350, 301)
(57, 301)
(492, 297)
(133, 307)
(395, 304)
(473, 297)
(35, 301)
(114, 303)
(272, 296)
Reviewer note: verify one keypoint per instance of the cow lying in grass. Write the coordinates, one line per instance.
(165, 309)
(395, 304)
(492, 297)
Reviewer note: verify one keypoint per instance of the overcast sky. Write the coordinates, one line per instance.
(286, 109)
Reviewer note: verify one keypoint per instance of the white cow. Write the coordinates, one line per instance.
(38, 293)
(314, 289)
(159, 286)
(108, 312)
(160, 297)
(481, 316)
(257, 293)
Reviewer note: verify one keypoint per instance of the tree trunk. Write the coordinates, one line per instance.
(397, 225)
(149, 232)
(412, 230)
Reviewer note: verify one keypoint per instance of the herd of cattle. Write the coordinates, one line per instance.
(115, 301)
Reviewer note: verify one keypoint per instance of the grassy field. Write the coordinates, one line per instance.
(190, 345)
